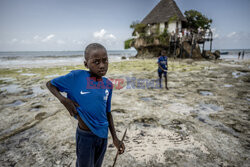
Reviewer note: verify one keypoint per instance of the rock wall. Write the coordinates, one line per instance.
(211, 56)
(149, 52)
(152, 48)
(196, 53)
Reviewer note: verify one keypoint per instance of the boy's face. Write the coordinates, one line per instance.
(97, 62)
(164, 53)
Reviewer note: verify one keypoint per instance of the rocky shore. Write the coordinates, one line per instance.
(202, 120)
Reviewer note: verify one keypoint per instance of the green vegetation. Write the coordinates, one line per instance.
(134, 23)
(164, 37)
(196, 19)
(129, 43)
(138, 27)
(136, 65)
(157, 29)
(156, 38)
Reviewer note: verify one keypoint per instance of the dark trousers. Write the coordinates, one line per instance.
(160, 72)
(90, 149)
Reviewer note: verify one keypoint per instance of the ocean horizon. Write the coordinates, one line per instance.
(9, 59)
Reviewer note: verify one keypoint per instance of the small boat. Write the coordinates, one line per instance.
(224, 53)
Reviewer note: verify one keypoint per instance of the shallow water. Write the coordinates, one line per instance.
(52, 76)
(238, 74)
(228, 86)
(7, 79)
(37, 90)
(146, 98)
(203, 112)
(15, 103)
(206, 93)
(28, 74)
(206, 109)
(11, 88)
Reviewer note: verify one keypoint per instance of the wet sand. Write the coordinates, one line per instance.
(202, 120)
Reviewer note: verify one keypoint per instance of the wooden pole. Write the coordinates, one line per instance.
(211, 44)
(203, 47)
(211, 39)
(117, 153)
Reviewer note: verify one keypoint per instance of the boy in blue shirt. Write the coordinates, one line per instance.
(163, 67)
(89, 101)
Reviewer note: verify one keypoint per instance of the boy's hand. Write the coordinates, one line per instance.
(119, 145)
(70, 106)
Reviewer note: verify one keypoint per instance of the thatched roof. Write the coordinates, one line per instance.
(162, 12)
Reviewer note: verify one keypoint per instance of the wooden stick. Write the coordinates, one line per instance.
(117, 153)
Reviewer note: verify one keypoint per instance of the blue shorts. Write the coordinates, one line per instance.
(160, 72)
(90, 149)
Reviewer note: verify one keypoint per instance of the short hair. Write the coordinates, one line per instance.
(92, 46)
(163, 52)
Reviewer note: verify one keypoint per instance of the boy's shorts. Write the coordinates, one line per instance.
(90, 149)
(160, 72)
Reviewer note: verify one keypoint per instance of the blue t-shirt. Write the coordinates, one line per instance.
(162, 61)
(93, 97)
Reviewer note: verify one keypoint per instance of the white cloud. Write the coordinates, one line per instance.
(215, 33)
(216, 36)
(213, 29)
(232, 40)
(37, 37)
(111, 36)
(99, 34)
(109, 40)
(230, 35)
(103, 35)
(49, 37)
(14, 40)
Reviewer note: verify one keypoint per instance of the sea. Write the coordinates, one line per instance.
(50, 58)
(232, 54)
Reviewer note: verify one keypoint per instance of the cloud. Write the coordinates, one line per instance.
(215, 33)
(14, 40)
(49, 37)
(37, 37)
(111, 36)
(213, 29)
(216, 36)
(233, 40)
(232, 34)
(99, 34)
(109, 40)
(102, 35)
(238, 36)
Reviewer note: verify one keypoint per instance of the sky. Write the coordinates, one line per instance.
(68, 25)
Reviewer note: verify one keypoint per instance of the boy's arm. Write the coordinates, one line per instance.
(167, 64)
(161, 67)
(119, 144)
(69, 104)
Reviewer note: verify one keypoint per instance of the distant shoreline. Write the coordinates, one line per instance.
(65, 58)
